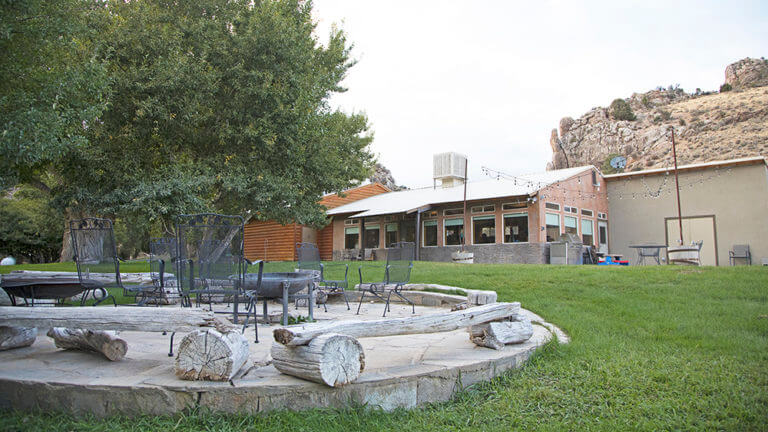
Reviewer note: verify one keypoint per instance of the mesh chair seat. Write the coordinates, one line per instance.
(397, 272)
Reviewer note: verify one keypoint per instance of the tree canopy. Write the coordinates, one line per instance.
(207, 105)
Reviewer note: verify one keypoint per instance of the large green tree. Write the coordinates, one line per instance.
(218, 106)
(53, 83)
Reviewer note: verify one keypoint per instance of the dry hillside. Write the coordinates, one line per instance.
(708, 126)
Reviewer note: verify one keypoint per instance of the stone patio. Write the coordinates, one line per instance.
(401, 371)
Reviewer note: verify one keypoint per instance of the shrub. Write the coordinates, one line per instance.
(665, 115)
(725, 87)
(620, 110)
(646, 103)
(606, 167)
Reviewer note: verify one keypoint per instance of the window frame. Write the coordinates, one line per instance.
(516, 215)
(559, 225)
(576, 225)
(590, 213)
(445, 231)
(484, 208)
(432, 222)
(555, 206)
(592, 223)
(459, 210)
(514, 205)
(484, 217)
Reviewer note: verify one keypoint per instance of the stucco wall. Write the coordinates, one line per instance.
(737, 196)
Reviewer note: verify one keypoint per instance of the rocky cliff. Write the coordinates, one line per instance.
(708, 126)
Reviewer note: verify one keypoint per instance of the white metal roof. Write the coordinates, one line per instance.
(407, 200)
(702, 165)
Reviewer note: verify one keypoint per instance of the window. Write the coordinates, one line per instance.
(594, 179)
(552, 206)
(570, 225)
(602, 231)
(391, 218)
(371, 219)
(430, 214)
(573, 210)
(351, 237)
(372, 236)
(453, 212)
(516, 228)
(391, 234)
(351, 221)
(409, 231)
(585, 212)
(454, 231)
(514, 205)
(483, 208)
(484, 229)
(553, 226)
(602, 216)
(587, 235)
(430, 233)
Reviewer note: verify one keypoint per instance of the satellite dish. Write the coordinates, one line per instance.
(619, 162)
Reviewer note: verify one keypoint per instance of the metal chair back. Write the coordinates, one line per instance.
(740, 251)
(162, 254)
(308, 256)
(93, 244)
(400, 257)
(209, 251)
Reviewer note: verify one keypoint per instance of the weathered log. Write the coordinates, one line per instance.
(330, 359)
(16, 337)
(111, 318)
(497, 334)
(101, 277)
(104, 342)
(432, 323)
(211, 355)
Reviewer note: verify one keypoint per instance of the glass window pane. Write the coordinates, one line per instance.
(516, 228)
(570, 225)
(372, 237)
(553, 227)
(430, 233)
(454, 231)
(484, 230)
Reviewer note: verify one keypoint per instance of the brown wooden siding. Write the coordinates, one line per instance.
(325, 242)
(271, 241)
(352, 195)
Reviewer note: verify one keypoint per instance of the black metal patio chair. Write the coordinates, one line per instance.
(162, 258)
(308, 256)
(93, 242)
(210, 264)
(397, 272)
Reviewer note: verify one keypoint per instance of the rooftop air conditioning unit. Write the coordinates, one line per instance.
(449, 168)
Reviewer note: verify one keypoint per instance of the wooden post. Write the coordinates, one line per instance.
(331, 359)
(104, 342)
(211, 355)
(433, 323)
(16, 337)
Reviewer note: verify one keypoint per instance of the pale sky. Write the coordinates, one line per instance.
(491, 79)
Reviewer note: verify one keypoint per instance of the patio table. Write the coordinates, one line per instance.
(648, 251)
(43, 287)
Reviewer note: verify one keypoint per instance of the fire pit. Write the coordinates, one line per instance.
(281, 285)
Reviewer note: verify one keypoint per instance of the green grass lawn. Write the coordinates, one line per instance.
(653, 348)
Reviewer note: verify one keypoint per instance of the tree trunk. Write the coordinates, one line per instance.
(16, 337)
(104, 342)
(66, 240)
(211, 355)
(497, 334)
(149, 319)
(330, 359)
(432, 323)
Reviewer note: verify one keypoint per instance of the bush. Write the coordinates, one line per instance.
(646, 103)
(725, 87)
(665, 115)
(606, 167)
(620, 110)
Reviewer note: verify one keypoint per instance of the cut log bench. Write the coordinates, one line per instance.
(220, 356)
(305, 351)
(214, 349)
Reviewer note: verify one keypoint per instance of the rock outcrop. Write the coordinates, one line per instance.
(382, 175)
(708, 126)
(747, 73)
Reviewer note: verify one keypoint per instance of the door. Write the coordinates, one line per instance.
(695, 228)
(602, 237)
